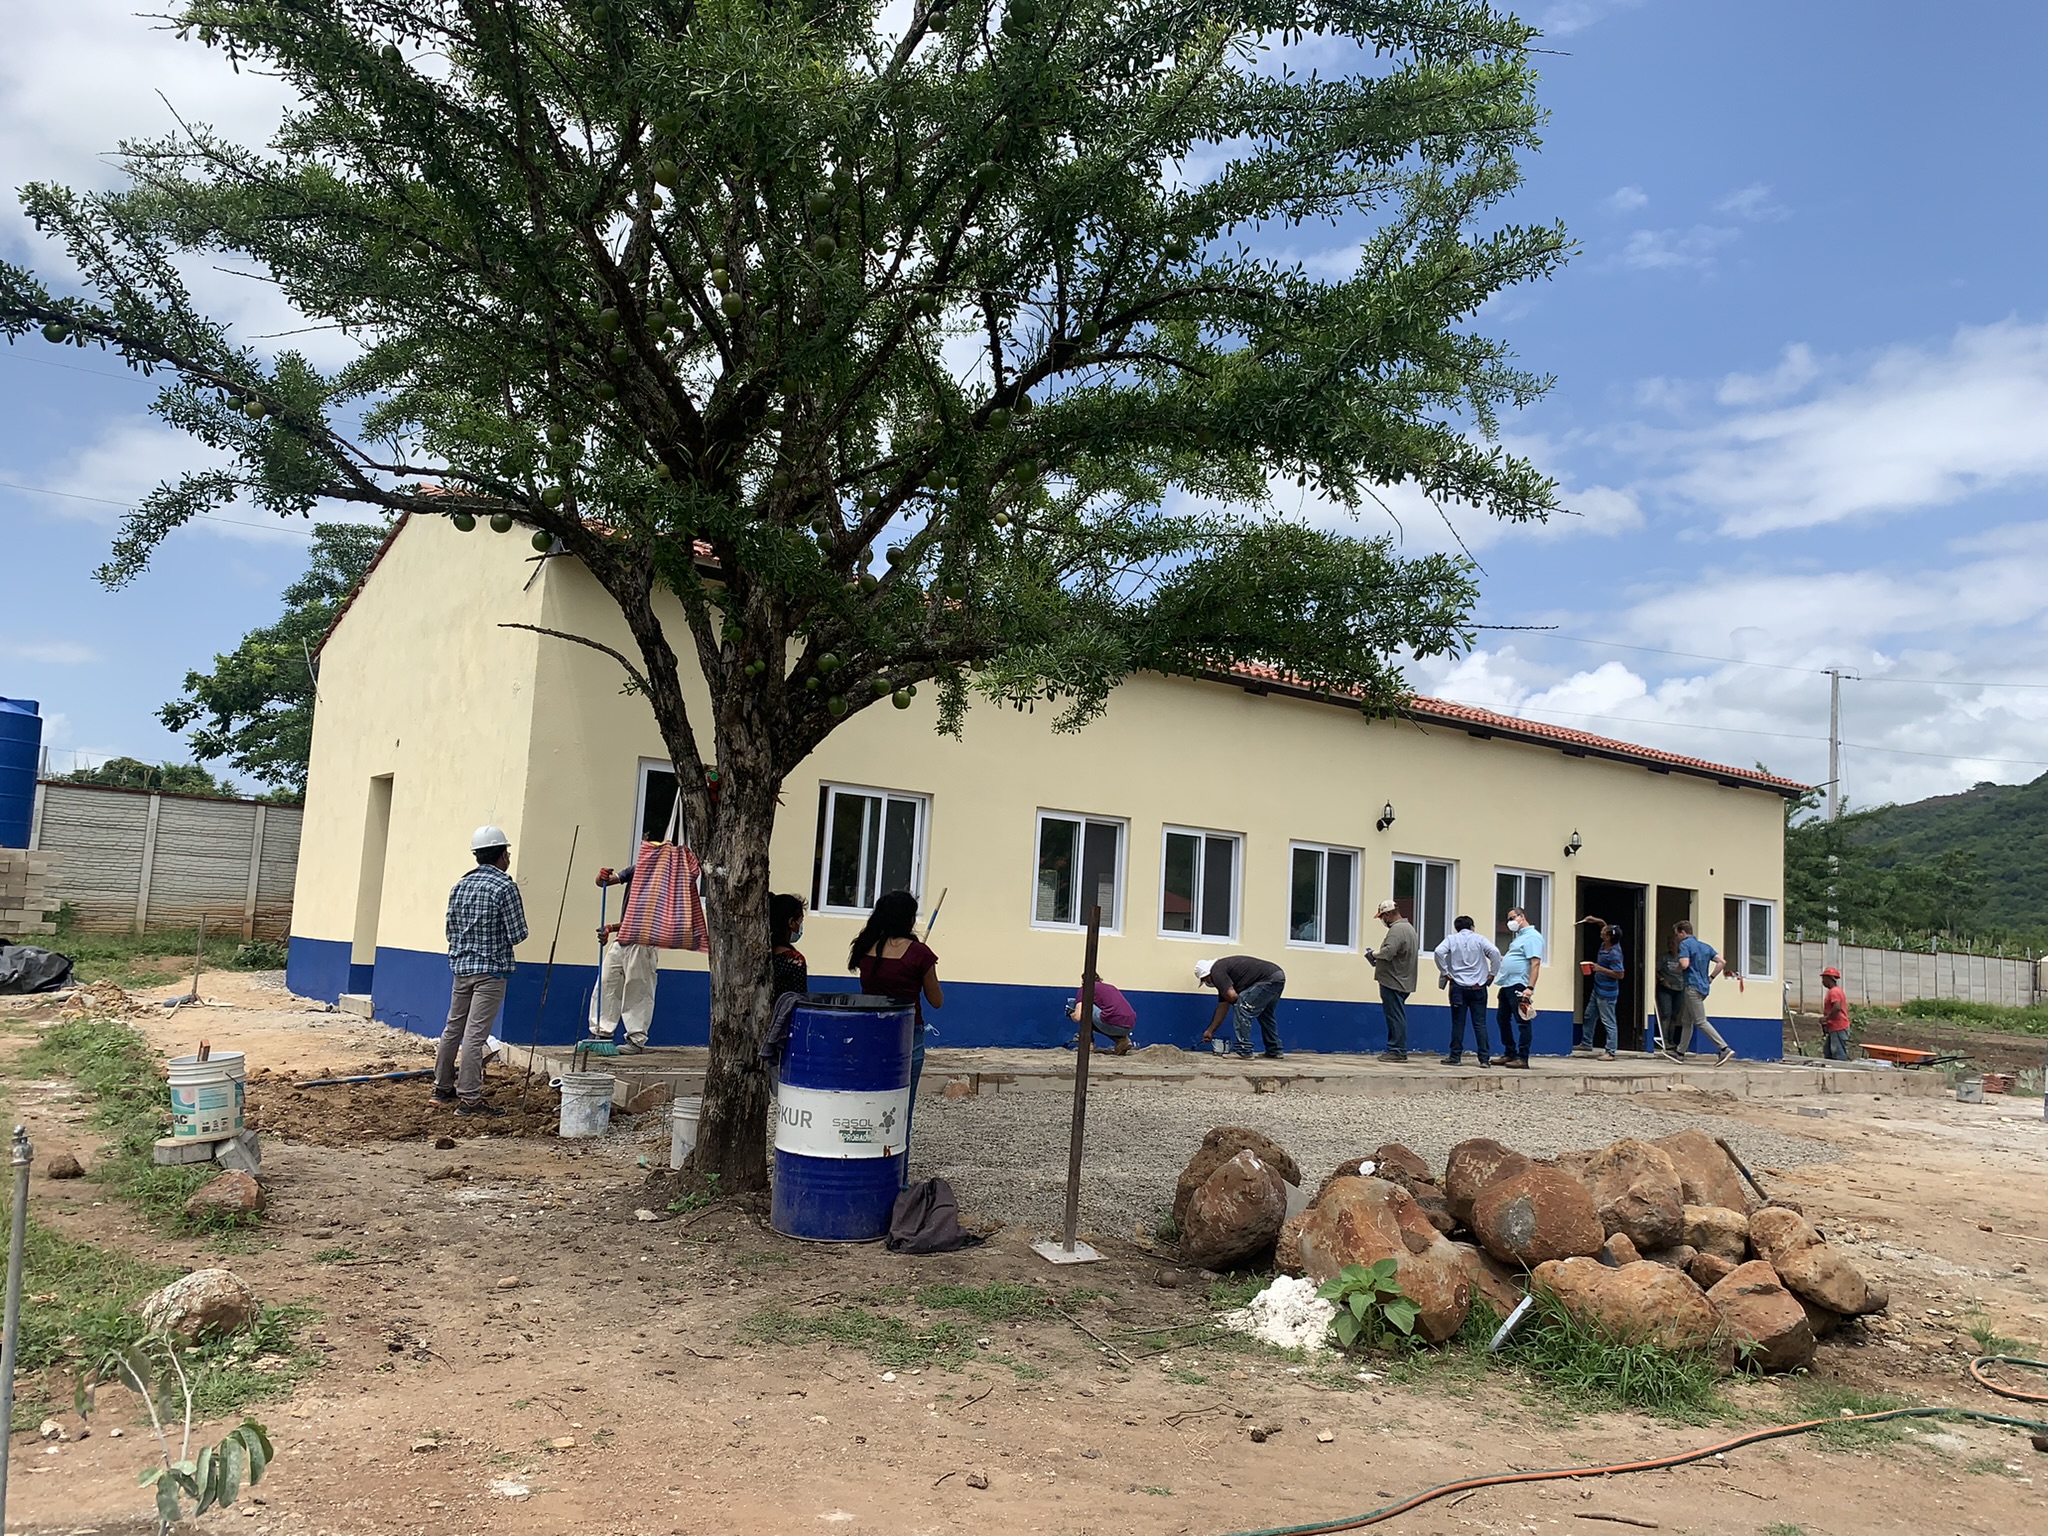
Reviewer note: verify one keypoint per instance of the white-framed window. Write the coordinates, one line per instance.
(1749, 944)
(869, 841)
(1322, 896)
(654, 802)
(1426, 891)
(1080, 862)
(1525, 888)
(1198, 879)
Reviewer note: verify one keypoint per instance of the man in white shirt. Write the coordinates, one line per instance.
(1467, 960)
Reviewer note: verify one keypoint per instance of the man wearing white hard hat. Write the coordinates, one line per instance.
(486, 919)
(1249, 989)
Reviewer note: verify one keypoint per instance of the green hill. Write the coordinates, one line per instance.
(1979, 859)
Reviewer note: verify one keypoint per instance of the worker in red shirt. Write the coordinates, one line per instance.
(1835, 1015)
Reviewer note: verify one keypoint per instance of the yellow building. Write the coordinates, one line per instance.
(1229, 816)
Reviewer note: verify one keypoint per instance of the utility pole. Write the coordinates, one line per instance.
(1834, 743)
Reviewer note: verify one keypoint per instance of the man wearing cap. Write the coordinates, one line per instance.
(1393, 967)
(1834, 1016)
(485, 920)
(1253, 987)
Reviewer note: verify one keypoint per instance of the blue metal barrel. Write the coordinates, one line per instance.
(21, 740)
(840, 1118)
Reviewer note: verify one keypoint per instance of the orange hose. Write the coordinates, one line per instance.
(2014, 1393)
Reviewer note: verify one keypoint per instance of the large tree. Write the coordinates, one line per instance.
(725, 298)
(255, 708)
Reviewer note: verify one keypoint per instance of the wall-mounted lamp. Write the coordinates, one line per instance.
(1574, 845)
(1386, 817)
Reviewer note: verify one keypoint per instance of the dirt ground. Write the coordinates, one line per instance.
(510, 1347)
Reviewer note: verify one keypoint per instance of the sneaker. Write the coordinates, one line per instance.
(1610, 1056)
(1276, 1055)
(1582, 1050)
(1724, 1058)
(1391, 1056)
(1678, 1056)
(1454, 1061)
(444, 1098)
(1487, 1061)
(490, 1111)
(1246, 1054)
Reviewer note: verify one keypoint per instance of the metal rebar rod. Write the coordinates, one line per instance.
(1083, 1049)
(24, 1154)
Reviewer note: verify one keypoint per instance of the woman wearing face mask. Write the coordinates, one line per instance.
(788, 971)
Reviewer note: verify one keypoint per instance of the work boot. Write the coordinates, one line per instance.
(1123, 1046)
(489, 1111)
(1454, 1061)
(1391, 1056)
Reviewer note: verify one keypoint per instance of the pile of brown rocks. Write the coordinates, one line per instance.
(1649, 1241)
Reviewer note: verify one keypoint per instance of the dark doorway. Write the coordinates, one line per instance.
(1674, 906)
(1616, 902)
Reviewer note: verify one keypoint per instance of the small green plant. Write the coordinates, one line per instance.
(1830, 1400)
(1234, 1291)
(261, 955)
(1000, 1301)
(1780, 1528)
(1369, 1302)
(1165, 1228)
(1589, 1369)
(1990, 1341)
(334, 1255)
(697, 1199)
(1988, 1466)
(217, 1475)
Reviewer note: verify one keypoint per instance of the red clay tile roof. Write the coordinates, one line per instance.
(1487, 722)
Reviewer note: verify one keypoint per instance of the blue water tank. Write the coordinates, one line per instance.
(21, 745)
(842, 1118)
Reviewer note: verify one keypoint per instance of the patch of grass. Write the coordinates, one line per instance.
(889, 1341)
(1186, 1377)
(1589, 1370)
(1830, 1400)
(83, 1305)
(149, 959)
(1988, 1466)
(1000, 1301)
(131, 1105)
(1949, 1010)
(1234, 1291)
(1990, 1341)
(1157, 1492)
(335, 1255)
(1781, 1528)
(1164, 1228)
(1457, 1366)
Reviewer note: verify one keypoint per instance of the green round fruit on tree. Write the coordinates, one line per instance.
(718, 277)
(842, 178)
(600, 16)
(543, 541)
(900, 698)
(1090, 333)
(392, 55)
(607, 319)
(824, 247)
(811, 684)
(604, 389)
(986, 173)
(957, 591)
(733, 305)
(663, 473)
(54, 332)
(552, 496)
(835, 705)
(820, 203)
(501, 522)
(999, 418)
(463, 522)
(620, 353)
(1024, 405)
(1001, 519)
(893, 553)
(255, 410)
(828, 663)
(666, 173)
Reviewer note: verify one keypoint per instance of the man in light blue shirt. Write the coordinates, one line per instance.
(1467, 962)
(1701, 965)
(1516, 977)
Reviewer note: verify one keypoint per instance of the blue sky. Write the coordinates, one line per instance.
(1801, 402)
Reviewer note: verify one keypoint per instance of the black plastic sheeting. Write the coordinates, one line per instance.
(25, 969)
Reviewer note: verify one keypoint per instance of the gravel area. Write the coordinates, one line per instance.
(1005, 1154)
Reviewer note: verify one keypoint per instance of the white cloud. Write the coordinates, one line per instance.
(1653, 250)
(1627, 199)
(1562, 18)
(1795, 370)
(1905, 738)
(1752, 202)
(1919, 428)
(55, 653)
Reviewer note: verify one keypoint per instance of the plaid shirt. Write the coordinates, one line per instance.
(485, 919)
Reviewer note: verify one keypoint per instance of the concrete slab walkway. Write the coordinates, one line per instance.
(968, 1072)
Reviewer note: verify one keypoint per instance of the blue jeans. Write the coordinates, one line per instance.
(1600, 1020)
(1468, 1004)
(1395, 1006)
(1837, 1044)
(1258, 1003)
(1514, 1031)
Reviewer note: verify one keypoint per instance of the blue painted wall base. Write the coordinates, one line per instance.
(410, 989)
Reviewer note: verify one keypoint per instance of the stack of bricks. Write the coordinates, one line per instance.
(25, 905)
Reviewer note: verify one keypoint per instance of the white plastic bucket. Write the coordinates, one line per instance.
(586, 1103)
(1970, 1091)
(207, 1096)
(682, 1129)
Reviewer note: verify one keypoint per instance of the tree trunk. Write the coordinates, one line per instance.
(733, 1135)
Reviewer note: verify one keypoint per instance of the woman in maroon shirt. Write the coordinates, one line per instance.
(892, 963)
